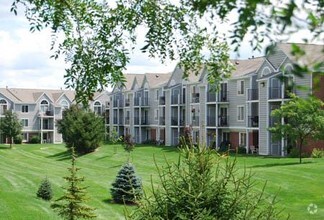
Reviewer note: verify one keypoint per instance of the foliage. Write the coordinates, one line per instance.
(18, 139)
(99, 35)
(81, 129)
(241, 150)
(45, 190)
(128, 143)
(203, 186)
(186, 138)
(304, 120)
(317, 153)
(71, 204)
(35, 140)
(127, 187)
(10, 125)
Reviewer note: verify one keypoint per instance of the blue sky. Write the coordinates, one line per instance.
(25, 62)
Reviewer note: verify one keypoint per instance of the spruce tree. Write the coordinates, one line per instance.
(71, 205)
(45, 190)
(127, 187)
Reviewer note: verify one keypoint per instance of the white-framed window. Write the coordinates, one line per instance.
(24, 108)
(3, 106)
(24, 122)
(240, 87)
(97, 107)
(240, 112)
(266, 70)
(242, 139)
(44, 106)
(64, 104)
(156, 114)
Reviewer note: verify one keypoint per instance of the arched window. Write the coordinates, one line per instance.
(288, 68)
(64, 104)
(266, 70)
(3, 106)
(97, 107)
(44, 106)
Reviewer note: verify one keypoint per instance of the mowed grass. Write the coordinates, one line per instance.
(23, 167)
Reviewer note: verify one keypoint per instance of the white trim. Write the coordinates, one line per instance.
(240, 133)
(237, 112)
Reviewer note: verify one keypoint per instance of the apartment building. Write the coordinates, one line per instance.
(38, 110)
(160, 106)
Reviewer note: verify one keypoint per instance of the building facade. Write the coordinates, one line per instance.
(158, 107)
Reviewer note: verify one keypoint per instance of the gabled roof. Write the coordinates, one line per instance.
(313, 53)
(156, 80)
(245, 67)
(21, 95)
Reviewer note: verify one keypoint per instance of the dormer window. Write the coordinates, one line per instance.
(64, 104)
(3, 106)
(97, 108)
(44, 106)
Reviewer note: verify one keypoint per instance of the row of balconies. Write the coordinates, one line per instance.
(274, 93)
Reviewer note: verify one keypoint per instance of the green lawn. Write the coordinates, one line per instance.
(24, 166)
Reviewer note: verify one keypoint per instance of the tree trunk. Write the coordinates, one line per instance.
(11, 140)
(300, 150)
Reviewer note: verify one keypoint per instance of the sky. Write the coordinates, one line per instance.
(25, 57)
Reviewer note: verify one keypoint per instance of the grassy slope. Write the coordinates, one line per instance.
(23, 168)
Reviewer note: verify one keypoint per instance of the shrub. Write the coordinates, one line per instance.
(45, 190)
(241, 150)
(34, 140)
(200, 185)
(317, 153)
(18, 139)
(127, 187)
(128, 143)
(186, 138)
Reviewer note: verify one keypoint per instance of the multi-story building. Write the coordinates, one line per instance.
(239, 113)
(38, 110)
(159, 106)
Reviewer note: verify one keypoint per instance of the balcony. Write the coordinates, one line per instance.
(174, 120)
(275, 93)
(162, 121)
(253, 94)
(195, 121)
(211, 97)
(48, 113)
(223, 96)
(195, 97)
(223, 121)
(211, 121)
(253, 121)
(48, 127)
(144, 121)
(141, 101)
(273, 121)
(136, 101)
(115, 121)
(118, 103)
(121, 121)
(162, 100)
(136, 121)
(127, 102)
(127, 120)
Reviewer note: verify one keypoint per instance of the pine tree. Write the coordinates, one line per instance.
(45, 190)
(127, 187)
(71, 205)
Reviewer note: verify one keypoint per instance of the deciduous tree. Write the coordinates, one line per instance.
(304, 119)
(10, 126)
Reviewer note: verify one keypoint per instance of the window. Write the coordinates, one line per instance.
(44, 106)
(24, 108)
(240, 87)
(156, 114)
(64, 104)
(240, 113)
(3, 106)
(24, 122)
(266, 70)
(157, 94)
(242, 139)
(97, 107)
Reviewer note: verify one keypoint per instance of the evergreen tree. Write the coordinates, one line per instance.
(81, 129)
(45, 190)
(10, 126)
(71, 204)
(127, 187)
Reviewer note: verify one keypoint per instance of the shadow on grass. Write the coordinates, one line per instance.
(65, 155)
(5, 147)
(280, 164)
(162, 147)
